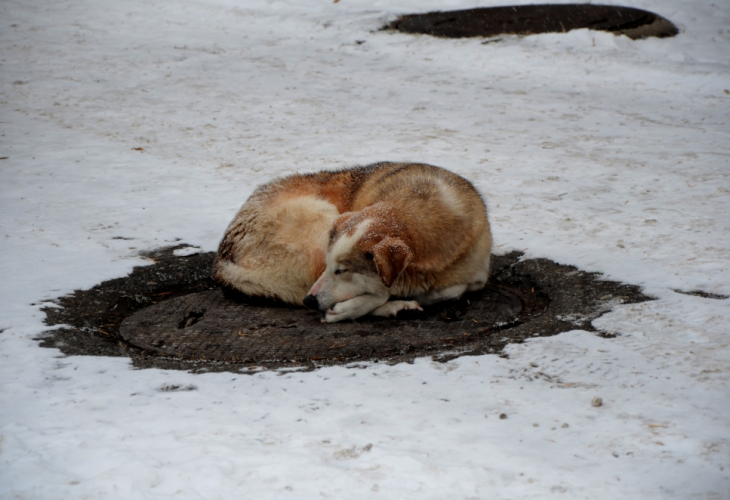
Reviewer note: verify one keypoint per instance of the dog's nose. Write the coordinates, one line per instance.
(311, 302)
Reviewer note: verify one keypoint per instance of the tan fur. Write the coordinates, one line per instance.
(427, 230)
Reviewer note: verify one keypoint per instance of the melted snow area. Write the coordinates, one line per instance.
(127, 126)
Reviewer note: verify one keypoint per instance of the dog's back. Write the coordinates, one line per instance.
(276, 244)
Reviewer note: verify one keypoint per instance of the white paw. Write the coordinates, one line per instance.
(391, 308)
(336, 314)
(331, 317)
(353, 308)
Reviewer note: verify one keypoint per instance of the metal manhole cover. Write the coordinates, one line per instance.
(208, 325)
(534, 19)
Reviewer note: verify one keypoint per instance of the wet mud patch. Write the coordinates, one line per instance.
(534, 19)
(173, 315)
(703, 294)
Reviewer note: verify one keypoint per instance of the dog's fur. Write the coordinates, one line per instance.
(344, 242)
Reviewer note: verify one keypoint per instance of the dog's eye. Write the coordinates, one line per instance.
(369, 255)
(340, 271)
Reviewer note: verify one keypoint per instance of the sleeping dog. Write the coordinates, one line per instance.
(345, 242)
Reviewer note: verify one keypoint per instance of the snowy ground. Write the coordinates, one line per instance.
(593, 150)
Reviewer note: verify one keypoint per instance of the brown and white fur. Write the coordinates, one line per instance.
(344, 242)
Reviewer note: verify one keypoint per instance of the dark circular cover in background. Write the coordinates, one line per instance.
(533, 19)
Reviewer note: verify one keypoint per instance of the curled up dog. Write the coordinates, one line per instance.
(374, 240)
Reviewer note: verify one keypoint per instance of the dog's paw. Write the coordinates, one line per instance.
(355, 307)
(391, 308)
(331, 317)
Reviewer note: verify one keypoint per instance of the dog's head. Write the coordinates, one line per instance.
(365, 255)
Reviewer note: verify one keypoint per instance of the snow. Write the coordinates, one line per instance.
(592, 150)
(184, 252)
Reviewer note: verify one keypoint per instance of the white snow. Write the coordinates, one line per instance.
(593, 150)
(184, 252)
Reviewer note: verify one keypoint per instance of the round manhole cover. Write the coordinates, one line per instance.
(533, 19)
(173, 315)
(211, 325)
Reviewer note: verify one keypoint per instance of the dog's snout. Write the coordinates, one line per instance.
(311, 302)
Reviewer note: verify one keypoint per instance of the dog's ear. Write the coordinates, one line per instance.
(391, 257)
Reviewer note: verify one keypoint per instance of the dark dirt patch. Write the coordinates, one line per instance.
(704, 295)
(529, 298)
(176, 388)
(93, 316)
(533, 19)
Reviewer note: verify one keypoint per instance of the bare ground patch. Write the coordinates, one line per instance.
(173, 315)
